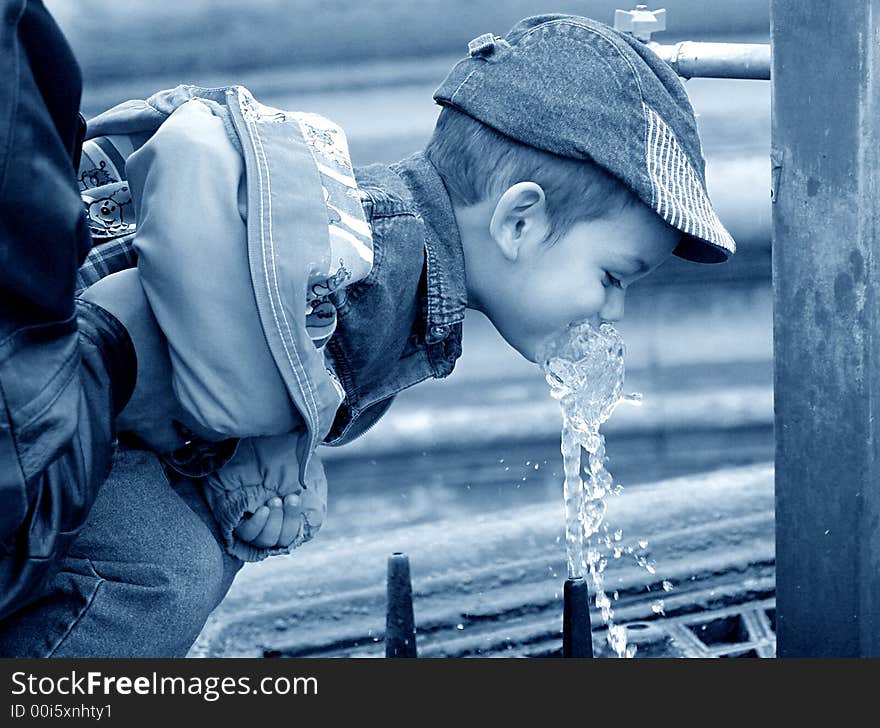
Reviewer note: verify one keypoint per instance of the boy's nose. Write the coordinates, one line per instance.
(613, 309)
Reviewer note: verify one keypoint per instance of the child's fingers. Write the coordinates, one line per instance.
(248, 530)
(269, 535)
(292, 521)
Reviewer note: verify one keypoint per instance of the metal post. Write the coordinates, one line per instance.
(577, 637)
(826, 136)
(400, 624)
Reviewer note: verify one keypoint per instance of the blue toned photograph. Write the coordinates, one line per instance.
(439, 330)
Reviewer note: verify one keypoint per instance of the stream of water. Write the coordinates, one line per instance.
(584, 367)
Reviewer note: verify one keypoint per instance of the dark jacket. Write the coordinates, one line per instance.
(56, 396)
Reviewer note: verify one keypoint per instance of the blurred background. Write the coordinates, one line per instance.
(482, 447)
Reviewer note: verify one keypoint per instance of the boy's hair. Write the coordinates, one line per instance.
(476, 162)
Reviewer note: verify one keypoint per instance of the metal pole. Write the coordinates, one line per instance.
(400, 624)
(826, 136)
(717, 60)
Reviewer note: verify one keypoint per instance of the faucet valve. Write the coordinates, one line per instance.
(640, 22)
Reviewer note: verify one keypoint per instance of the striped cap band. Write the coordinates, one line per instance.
(678, 195)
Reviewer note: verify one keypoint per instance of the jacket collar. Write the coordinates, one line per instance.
(446, 283)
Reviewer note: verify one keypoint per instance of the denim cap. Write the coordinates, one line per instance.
(577, 88)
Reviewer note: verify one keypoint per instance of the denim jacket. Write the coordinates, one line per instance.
(401, 324)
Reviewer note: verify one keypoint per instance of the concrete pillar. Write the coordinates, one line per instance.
(826, 137)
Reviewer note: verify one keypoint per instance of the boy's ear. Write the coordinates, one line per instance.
(520, 219)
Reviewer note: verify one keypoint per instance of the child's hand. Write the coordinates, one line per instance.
(276, 524)
(260, 501)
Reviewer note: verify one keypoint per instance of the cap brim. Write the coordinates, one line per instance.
(701, 251)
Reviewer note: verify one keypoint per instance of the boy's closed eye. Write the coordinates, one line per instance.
(612, 281)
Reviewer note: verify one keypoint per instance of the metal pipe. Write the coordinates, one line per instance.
(577, 632)
(691, 59)
(400, 624)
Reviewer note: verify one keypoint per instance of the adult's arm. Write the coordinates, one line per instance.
(62, 375)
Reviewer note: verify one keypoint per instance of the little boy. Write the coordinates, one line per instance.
(565, 165)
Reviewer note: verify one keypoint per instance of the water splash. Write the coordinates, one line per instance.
(584, 367)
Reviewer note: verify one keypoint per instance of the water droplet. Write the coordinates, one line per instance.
(643, 543)
(537, 466)
(657, 607)
(616, 595)
(618, 535)
(667, 585)
(617, 639)
(501, 460)
(459, 626)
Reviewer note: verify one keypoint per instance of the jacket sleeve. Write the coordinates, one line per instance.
(188, 185)
(47, 488)
(261, 468)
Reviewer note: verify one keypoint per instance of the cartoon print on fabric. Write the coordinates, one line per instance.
(91, 177)
(322, 289)
(109, 210)
(320, 308)
(325, 141)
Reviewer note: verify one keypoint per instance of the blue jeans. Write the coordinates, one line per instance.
(140, 579)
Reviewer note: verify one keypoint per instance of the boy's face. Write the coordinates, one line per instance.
(583, 276)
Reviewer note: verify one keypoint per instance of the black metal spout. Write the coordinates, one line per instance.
(400, 625)
(577, 634)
